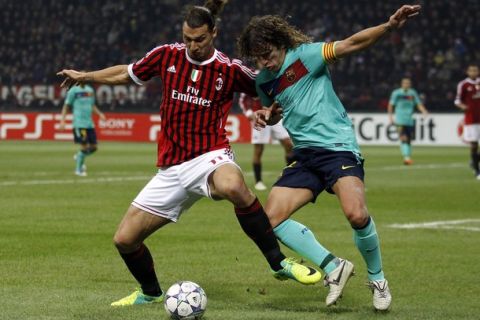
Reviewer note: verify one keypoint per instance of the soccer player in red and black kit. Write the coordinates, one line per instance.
(194, 156)
(468, 100)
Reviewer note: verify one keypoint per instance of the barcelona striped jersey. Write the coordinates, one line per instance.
(312, 113)
(81, 99)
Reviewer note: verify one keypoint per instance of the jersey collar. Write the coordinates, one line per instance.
(201, 63)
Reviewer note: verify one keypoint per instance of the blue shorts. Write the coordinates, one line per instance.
(319, 169)
(404, 130)
(84, 135)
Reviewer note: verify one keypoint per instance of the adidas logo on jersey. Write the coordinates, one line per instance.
(172, 69)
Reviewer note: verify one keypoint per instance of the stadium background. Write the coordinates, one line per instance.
(40, 37)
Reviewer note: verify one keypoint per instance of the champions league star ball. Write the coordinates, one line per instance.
(185, 300)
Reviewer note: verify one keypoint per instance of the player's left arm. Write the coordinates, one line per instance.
(420, 106)
(367, 37)
(100, 113)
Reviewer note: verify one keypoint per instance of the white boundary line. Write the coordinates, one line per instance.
(247, 173)
(446, 224)
(73, 181)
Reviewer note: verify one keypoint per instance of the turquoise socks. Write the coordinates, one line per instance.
(368, 244)
(79, 161)
(300, 239)
(406, 149)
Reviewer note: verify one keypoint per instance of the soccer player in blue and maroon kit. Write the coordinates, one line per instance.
(194, 156)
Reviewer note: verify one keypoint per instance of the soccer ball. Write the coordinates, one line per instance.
(185, 300)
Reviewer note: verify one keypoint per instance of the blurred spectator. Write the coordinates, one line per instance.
(41, 36)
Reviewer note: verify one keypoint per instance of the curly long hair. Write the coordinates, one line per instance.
(263, 32)
(197, 16)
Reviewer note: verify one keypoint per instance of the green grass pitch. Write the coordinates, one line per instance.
(57, 260)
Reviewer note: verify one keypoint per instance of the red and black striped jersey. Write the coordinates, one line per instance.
(197, 97)
(468, 92)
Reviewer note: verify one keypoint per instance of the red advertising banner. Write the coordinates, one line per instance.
(116, 127)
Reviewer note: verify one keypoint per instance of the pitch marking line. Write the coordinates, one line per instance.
(73, 181)
(446, 224)
(247, 173)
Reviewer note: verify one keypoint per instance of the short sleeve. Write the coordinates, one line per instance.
(393, 98)
(264, 99)
(147, 67)
(317, 55)
(459, 95)
(244, 78)
(70, 96)
(416, 98)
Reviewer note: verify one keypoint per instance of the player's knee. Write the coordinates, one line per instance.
(124, 244)
(357, 215)
(238, 194)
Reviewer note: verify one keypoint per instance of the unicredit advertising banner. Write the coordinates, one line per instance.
(371, 128)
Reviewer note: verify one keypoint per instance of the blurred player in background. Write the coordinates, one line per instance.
(194, 156)
(468, 100)
(260, 138)
(326, 154)
(403, 102)
(81, 100)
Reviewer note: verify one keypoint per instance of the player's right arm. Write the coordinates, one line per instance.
(65, 109)
(459, 98)
(390, 107)
(113, 75)
(70, 97)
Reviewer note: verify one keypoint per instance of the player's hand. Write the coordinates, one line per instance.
(259, 119)
(273, 113)
(72, 77)
(62, 126)
(398, 19)
(102, 116)
(267, 116)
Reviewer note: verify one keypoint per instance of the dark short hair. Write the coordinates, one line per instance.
(197, 16)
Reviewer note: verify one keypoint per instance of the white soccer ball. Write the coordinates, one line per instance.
(185, 300)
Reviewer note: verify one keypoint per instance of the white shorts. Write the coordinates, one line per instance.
(175, 189)
(269, 133)
(471, 132)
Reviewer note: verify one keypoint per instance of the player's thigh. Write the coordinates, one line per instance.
(227, 182)
(282, 202)
(80, 136)
(471, 133)
(279, 132)
(350, 191)
(135, 227)
(165, 195)
(91, 136)
(403, 133)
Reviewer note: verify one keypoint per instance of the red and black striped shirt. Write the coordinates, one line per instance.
(197, 97)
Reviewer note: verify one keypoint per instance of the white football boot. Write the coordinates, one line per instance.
(337, 279)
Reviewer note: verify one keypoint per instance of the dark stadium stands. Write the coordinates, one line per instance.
(39, 37)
